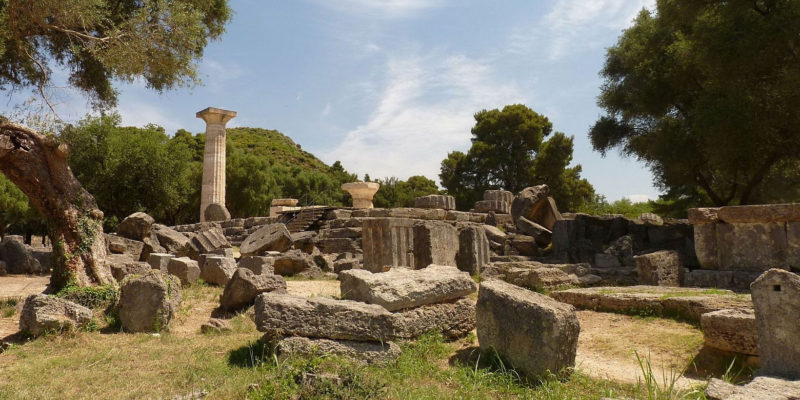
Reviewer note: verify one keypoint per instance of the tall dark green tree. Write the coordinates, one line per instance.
(97, 42)
(397, 193)
(509, 151)
(705, 92)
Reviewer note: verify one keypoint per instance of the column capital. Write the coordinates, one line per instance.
(216, 115)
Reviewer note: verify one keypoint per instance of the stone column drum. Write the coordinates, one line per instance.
(362, 193)
(213, 190)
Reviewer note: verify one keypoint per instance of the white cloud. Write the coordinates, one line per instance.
(424, 111)
(382, 8)
(216, 75)
(136, 113)
(573, 25)
(638, 198)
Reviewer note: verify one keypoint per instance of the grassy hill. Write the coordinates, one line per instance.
(273, 145)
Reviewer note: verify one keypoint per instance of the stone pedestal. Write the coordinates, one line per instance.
(280, 205)
(213, 190)
(362, 193)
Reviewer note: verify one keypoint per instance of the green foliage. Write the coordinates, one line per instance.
(396, 193)
(705, 94)
(91, 296)
(8, 308)
(509, 151)
(16, 213)
(600, 206)
(100, 41)
(131, 169)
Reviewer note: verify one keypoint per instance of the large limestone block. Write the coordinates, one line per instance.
(120, 270)
(761, 387)
(42, 313)
(436, 201)
(186, 269)
(259, 265)
(370, 353)
(705, 244)
(776, 299)
(18, 258)
(387, 242)
(292, 262)
(173, 241)
(761, 213)
(120, 245)
(147, 303)
(160, 261)
(402, 288)
(752, 246)
(496, 206)
(793, 241)
(660, 268)
(542, 235)
(218, 270)
(534, 204)
(731, 330)
(434, 243)
(322, 317)
(207, 241)
(533, 332)
(244, 286)
(473, 250)
(271, 237)
(136, 226)
(499, 195)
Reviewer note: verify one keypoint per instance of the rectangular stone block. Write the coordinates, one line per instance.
(435, 243)
(776, 299)
(760, 213)
(705, 245)
(473, 250)
(661, 268)
(387, 242)
(752, 246)
(498, 206)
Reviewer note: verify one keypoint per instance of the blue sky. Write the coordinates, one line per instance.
(389, 87)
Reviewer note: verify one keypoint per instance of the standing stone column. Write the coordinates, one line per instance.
(213, 190)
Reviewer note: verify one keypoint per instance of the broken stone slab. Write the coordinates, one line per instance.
(136, 226)
(259, 265)
(402, 288)
(18, 257)
(761, 213)
(776, 297)
(703, 215)
(436, 201)
(731, 330)
(761, 387)
(530, 275)
(496, 206)
(321, 317)
(216, 212)
(534, 204)
(207, 241)
(147, 303)
(500, 195)
(218, 270)
(542, 235)
(215, 325)
(186, 269)
(370, 353)
(686, 303)
(473, 250)
(531, 331)
(660, 268)
(244, 286)
(271, 237)
(494, 233)
(120, 245)
(42, 313)
(173, 241)
(293, 262)
(120, 270)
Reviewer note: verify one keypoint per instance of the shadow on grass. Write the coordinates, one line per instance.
(713, 363)
(250, 355)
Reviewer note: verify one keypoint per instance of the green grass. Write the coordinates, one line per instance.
(8, 308)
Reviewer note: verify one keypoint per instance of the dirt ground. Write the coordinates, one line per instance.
(606, 346)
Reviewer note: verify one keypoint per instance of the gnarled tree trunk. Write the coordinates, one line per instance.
(37, 164)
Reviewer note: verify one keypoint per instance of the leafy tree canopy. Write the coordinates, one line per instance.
(705, 92)
(509, 151)
(396, 193)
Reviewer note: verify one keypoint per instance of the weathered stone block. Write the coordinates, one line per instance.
(369, 353)
(216, 212)
(259, 265)
(705, 244)
(119, 270)
(436, 201)
(244, 286)
(160, 261)
(18, 257)
(136, 226)
(776, 298)
(500, 195)
(531, 331)
(292, 262)
(173, 241)
(120, 245)
(731, 330)
(218, 270)
(434, 243)
(661, 268)
(762, 213)
(752, 246)
(542, 235)
(497, 206)
(186, 269)
(387, 242)
(401, 288)
(207, 241)
(272, 237)
(42, 313)
(148, 302)
(761, 387)
(473, 250)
